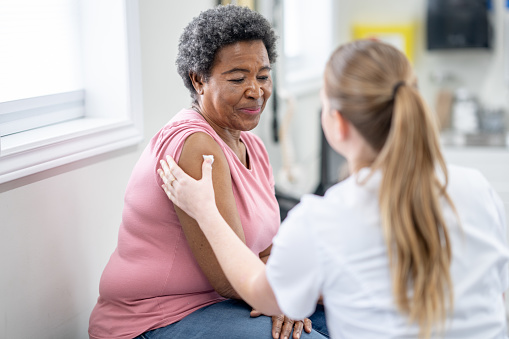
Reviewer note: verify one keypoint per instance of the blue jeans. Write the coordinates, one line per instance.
(230, 319)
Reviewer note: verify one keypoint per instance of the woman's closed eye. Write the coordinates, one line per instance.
(241, 80)
(237, 81)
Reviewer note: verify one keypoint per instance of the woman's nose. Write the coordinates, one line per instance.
(254, 90)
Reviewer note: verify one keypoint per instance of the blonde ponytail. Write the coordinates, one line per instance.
(413, 224)
(373, 86)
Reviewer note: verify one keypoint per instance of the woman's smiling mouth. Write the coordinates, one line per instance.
(251, 110)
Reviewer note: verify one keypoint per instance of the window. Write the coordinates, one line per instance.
(40, 64)
(68, 101)
(307, 40)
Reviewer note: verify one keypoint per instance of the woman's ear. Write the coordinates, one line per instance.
(342, 125)
(197, 81)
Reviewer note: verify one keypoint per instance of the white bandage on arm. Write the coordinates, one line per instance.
(209, 157)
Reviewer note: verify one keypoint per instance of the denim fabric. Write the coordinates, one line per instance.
(230, 319)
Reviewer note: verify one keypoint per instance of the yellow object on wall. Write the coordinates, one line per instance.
(244, 3)
(400, 36)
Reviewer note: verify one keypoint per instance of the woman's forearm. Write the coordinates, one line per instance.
(244, 270)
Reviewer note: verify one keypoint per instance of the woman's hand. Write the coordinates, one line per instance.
(282, 326)
(195, 197)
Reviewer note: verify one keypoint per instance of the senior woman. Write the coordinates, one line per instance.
(163, 280)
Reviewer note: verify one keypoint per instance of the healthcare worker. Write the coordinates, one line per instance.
(405, 247)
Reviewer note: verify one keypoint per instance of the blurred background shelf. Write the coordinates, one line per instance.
(455, 139)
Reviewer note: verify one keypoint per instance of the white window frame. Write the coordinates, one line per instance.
(107, 126)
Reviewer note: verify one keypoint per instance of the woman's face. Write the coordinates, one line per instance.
(326, 118)
(239, 86)
(329, 124)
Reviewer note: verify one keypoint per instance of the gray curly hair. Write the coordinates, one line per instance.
(216, 28)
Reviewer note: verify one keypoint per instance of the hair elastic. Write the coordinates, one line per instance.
(396, 87)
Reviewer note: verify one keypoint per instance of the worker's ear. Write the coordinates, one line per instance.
(198, 82)
(342, 125)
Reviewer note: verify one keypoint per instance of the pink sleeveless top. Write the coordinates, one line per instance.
(152, 279)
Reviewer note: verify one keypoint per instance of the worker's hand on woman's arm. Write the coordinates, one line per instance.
(244, 270)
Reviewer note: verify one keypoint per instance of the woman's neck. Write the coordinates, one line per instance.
(359, 153)
(229, 136)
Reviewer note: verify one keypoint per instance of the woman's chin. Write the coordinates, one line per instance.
(250, 123)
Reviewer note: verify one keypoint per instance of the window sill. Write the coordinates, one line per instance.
(44, 148)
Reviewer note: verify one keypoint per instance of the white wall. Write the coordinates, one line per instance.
(58, 228)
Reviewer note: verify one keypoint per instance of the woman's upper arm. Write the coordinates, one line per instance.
(191, 159)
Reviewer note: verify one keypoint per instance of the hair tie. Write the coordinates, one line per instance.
(396, 87)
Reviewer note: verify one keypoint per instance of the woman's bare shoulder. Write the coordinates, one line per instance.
(195, 147)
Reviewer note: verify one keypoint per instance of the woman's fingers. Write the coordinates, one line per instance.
(175, 170)
(206, 158)
(168, 193)
(282, 327)
(163, 176)
(166, 187)
(287, 328)
(255, 314)
(168, 179)
(297, 329)
(166, 169)
(277, 323)
(308, 325)
(206, 167)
